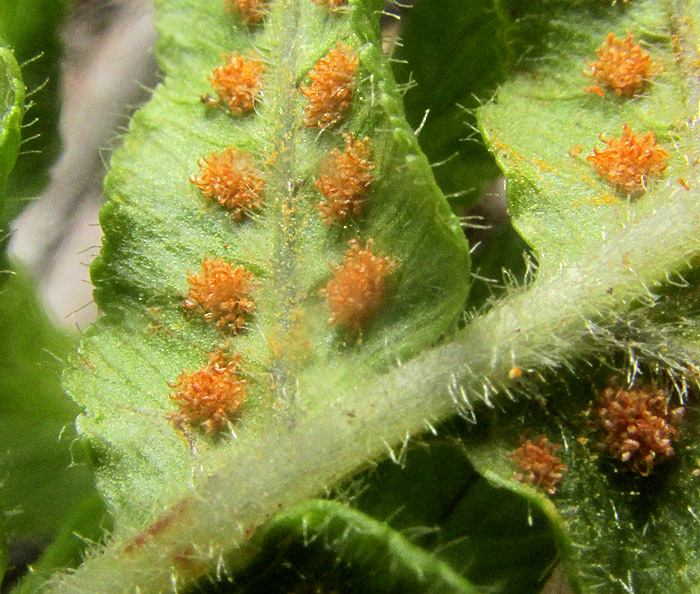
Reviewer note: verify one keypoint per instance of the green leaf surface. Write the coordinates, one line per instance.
(12, 93)
(435, 497)
(541, 119)
(616, 531)
(31, 28)
(44, 471)
(452, 55)
(327, 546)
(158, 228)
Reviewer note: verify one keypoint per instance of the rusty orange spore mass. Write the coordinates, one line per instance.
(358, 286)
(629, 161)
(210, 396)
(221, 292)
(344, 180)
(330, 92)
(250, 11)
(538, 465)
(231, 178)
(622, 65)
(638, 426)
(238, 83)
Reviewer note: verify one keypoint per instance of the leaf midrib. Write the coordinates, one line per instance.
(284, 189)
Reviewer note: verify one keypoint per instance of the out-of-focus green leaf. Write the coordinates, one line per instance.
(12, 112)
(43, 471)
(84, 525)
(31, 28)
(43, 475)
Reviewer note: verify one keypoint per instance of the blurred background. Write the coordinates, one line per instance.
(108, 71)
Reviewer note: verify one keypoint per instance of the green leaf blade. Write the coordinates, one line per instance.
(31, 27)
(12, 92)
(542, 125)
(615, 531)
(352, 551)
(452, 55)
(158, 229)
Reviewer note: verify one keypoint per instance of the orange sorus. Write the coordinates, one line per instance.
(344, 181)
(358, 285)
(629, 161)
(231, 178)
(250, 11)
(221, 292)
(638, 426)
(210, 396)
(622, 66)
(330, 93)
(538, 465)
(237, 82)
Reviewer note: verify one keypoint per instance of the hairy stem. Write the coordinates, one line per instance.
(535, 328)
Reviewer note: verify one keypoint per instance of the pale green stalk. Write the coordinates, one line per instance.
(538, 327)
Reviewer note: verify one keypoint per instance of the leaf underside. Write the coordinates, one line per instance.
(158, 228)
(616, 531)
(542, 124)
(613, 530)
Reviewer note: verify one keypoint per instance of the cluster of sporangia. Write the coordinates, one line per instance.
(222, 292)
(636, 425)
(629, 162)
